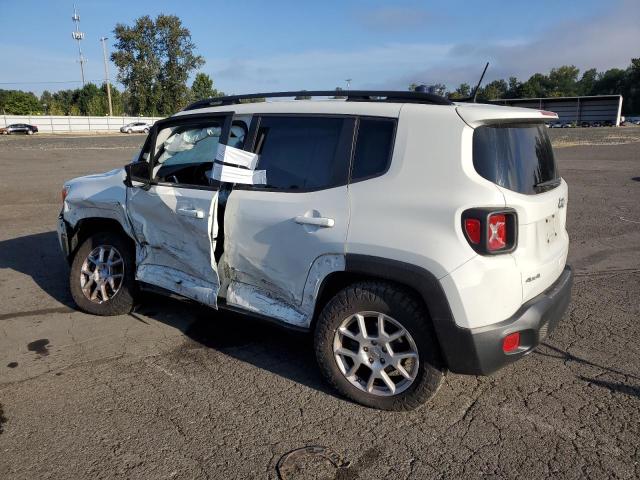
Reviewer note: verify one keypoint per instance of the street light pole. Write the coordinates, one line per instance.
(106, 73)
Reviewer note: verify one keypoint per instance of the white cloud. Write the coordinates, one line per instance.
(604, 41)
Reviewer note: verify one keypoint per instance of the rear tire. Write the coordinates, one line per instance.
(118, 278)
(29, 132)
(401, 312)
(129, 131)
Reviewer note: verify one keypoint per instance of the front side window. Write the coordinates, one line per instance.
(303, 153)
(185, 153)
(518, 157)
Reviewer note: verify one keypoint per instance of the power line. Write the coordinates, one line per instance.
(52, 81)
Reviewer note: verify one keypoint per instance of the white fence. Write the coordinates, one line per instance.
(61, 123)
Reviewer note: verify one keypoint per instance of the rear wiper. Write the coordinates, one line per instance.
(554, 182)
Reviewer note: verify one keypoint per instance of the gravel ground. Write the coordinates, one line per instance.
(178, 391)
(571, 137)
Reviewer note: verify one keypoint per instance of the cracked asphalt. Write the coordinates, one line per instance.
(178, 391)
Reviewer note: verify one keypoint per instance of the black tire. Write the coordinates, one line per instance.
(400, 304)
(124, 299)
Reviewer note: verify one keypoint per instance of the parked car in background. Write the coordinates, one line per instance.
(596, 124)
(556, 125)
(566, 125)
(585, 124)
(607, 123)
(19, 128)
(136, 127)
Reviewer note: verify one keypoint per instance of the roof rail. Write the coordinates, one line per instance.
(351, 96)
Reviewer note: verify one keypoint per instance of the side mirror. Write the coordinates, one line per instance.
(139, 172)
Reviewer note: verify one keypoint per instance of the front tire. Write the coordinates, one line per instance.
(375, 344)
(102, 277)
(29, 132)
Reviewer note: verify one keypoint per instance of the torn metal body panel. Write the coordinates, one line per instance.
(176, 230)
(102, 195)
(257, 297)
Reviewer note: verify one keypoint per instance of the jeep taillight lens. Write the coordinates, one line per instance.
(490, 231)
(497, 232)
(511, 342)
(473, 230)
(64, 192)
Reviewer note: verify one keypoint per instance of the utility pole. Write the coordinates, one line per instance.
(348, 80)
(77, 36)
(106, 73)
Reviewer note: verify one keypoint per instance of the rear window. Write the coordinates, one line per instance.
(518, 157)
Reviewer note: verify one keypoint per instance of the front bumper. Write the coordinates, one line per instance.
(478, 351)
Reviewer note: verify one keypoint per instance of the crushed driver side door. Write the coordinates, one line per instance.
(174, 216)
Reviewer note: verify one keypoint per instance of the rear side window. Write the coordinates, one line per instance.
(373, 148)
(302, 153)
(518, 157)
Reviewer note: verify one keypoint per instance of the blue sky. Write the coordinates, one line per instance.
(252, 46)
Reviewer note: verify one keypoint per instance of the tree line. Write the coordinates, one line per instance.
(564, 81)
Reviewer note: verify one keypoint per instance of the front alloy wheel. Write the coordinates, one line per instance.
(101, 274)
(102, 277)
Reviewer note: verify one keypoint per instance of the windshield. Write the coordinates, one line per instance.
(518, 157)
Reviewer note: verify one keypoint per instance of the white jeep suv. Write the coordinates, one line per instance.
(411, 235)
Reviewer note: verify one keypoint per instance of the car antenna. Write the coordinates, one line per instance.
(475, 90)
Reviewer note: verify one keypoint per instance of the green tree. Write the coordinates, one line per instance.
(138, 63)
(493, 90)
(587, 82)
(176, 52)
(202, 87)
(563, 81)
(463, 91)
(17, 102)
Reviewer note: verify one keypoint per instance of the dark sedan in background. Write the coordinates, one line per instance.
(19, 128)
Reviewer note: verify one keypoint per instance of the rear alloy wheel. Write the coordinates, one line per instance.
(375, 344)
(102, 278)
(129, 130)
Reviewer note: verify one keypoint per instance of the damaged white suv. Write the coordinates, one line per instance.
(411, 235)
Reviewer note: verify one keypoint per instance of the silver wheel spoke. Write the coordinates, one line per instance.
(387, 381)
(347, 353)
(349, 334)
(372, 378)
(361, 325)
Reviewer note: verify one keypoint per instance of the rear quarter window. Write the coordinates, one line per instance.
(518, 157)
(374, 146)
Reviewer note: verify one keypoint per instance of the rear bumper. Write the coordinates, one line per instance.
(478, 351)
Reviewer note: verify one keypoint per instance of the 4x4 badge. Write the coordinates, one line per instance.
(561, 202)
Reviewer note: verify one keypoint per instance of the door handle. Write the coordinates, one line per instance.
(191, 212)
(316, 221)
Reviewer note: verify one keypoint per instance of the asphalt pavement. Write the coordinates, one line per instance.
(174, 390)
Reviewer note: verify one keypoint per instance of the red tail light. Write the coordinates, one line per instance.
(490, 231)
(473, 229)
(511, 342)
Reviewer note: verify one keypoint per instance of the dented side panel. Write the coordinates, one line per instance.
(258, 299)
(97, 196)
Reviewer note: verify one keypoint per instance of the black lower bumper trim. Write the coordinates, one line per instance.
(478, 351)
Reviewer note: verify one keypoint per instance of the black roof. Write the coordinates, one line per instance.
(350, 96)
